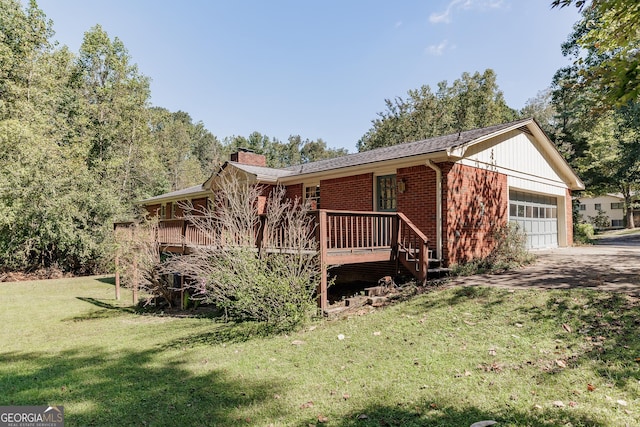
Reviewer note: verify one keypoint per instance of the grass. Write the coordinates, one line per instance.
(449, 357)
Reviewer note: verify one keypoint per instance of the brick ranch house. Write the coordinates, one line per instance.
(396, 209)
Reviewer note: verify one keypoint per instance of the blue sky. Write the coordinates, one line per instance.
(319, 69)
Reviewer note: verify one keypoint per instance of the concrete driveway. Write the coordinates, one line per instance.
(613, 264)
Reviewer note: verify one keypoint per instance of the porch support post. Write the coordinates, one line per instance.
(322, 241)
(134, 285)
(118, 274)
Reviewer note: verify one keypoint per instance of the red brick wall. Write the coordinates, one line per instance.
(418, 202)
(153, 210)
(351, 193)
(569, 217)
(295, 191)
(475, 202)
(248, 158)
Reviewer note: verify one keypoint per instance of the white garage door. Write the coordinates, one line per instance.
(537, 215)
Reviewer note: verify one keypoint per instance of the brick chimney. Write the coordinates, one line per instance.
(248, 157)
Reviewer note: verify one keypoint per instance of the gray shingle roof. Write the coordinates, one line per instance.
(400, 151)
(407, 149)
(261, 172)
(175, 194)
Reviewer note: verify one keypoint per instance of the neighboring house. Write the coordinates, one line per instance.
(608, 208)
(452, 191)
(606, 211)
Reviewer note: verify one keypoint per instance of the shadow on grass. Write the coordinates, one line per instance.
(431, 414)
(129, 388)
(109, 280)
(225, 333)
(605, 326)
(602, 326)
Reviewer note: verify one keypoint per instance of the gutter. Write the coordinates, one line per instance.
(438, 171)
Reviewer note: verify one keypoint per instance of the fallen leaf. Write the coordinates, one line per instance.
(340, 337)
(312, 327)
(345, 396)
(591, 387)
(519, 325)
(492, 352)
(628, 412)
(561, 363)
(306, 405)
(322, 419)
(469, 323)
(297, 342)
(573, 404)
(377, 333)
(558, 404)
(537, 406)
(484, 423)
(566, 327)
(621, 402)
(276, 396)
(363, 417)
(467, 373)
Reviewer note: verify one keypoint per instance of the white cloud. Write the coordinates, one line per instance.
(438, 49)
(445, 16)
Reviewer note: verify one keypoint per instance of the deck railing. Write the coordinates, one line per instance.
(342, 237)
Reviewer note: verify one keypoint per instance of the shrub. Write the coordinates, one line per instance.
(583, 233)
(509, 252)
(276, 284)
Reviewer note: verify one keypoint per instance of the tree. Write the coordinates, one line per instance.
(472, 101)
(612, 160)
(602, 134)
(612, 31)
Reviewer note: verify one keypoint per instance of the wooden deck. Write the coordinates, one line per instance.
(344, 237)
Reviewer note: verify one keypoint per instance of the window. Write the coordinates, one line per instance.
(386, 186)
(618, 205)
(583, 207)
(312, 193)
(173, 210)
(598, 207)
(617, 223)
(163, 211)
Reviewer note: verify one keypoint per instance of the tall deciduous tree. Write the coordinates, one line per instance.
(470, 102)
(611, 31)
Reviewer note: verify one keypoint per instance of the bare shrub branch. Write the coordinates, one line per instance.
(273, 283)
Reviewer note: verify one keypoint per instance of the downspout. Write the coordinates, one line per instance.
(438, 171)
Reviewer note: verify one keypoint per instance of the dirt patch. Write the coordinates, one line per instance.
(40, 274)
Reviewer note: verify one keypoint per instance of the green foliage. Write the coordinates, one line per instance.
(282, 154)
(508, 253)
(610, 32)
(600, 221)
(583, 233)
(274, 284)
(472, 101)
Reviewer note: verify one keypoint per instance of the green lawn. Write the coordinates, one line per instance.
(446, 358)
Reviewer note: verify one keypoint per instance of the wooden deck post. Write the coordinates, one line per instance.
(322, 241)
(118, 274)
(134, 285)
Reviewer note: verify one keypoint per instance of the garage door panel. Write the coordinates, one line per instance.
(537, 216)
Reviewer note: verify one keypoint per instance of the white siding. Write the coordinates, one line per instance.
(518, 156)
(605, 203)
